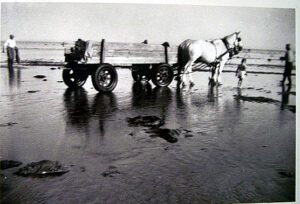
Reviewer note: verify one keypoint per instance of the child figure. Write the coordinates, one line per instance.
(241, 72)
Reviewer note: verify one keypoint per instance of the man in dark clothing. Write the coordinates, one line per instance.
(289, 60)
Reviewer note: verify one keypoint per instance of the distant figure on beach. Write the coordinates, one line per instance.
(241, 71)
(11, 47)
(289, 61)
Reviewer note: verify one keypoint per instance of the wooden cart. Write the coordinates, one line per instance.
(147, 61)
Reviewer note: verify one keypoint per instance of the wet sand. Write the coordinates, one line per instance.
(223, 144)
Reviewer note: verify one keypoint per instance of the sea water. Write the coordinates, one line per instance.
(52, 53)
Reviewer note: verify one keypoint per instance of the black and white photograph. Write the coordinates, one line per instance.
(174, 102)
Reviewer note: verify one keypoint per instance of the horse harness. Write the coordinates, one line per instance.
(229, 50)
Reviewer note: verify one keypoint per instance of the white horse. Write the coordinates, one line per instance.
(214, 53)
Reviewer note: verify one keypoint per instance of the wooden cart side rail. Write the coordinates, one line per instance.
(128, 61)
(132, 53)
(120, 46)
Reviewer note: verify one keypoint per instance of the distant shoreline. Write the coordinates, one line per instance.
(45, 53)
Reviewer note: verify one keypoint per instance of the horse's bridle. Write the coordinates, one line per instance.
(232, 51)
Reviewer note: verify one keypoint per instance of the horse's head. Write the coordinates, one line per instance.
(238, 45)
(234, 43)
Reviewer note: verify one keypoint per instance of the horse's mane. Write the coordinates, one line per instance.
(234, 33)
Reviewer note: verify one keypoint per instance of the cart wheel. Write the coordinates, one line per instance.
(74, 79)
(105, 78)
(162, 75)
(140, 72)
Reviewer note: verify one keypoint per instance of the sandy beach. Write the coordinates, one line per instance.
(220, 145)
(142, 144)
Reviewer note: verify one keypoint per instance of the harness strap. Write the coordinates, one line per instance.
(212, 42)
(225, 43)
(228, 49)
(223, 54)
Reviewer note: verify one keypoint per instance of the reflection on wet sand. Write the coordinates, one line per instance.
(14, 78)
(77, 114)
(285, 95)
(213, 93)
(103, 105)
(238, 101)
(80, 110)
(220, 147)
(182, 99)
(256, 99)
(144, 96)
(141, 93)
(163, 98)
(160, 99)
(77, 107)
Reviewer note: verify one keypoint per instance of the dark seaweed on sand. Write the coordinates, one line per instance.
(42, 168)
(257, 99)
(6, 164)
(147, 121)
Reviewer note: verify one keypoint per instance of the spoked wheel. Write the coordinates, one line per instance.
(162, 75)
(105, 78)
(74, 79)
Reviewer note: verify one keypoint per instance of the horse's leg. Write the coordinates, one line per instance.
(183, 78)
(180, 64)
(187, 70)
(179, 76)
(211, 78)
(215, 74)
(221, 66)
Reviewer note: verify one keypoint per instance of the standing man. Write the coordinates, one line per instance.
(289, 60)
(10, 46)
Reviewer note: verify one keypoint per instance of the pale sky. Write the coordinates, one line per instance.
(269, 28)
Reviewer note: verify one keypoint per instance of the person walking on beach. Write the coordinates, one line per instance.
(241, 71)
(289, 60)
(10, 46)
